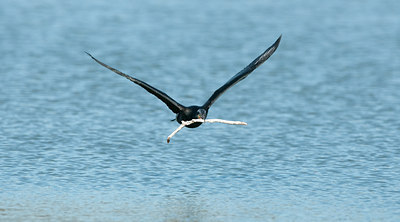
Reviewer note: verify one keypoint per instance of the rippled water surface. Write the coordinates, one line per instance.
(79, 143)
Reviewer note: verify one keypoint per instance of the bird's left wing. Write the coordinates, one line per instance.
(243, 74)
(172, 104)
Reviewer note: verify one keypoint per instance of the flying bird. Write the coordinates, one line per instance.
(186, 113)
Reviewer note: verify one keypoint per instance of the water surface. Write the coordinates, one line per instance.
(79, 143)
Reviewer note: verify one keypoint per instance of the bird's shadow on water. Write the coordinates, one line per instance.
(187, 207)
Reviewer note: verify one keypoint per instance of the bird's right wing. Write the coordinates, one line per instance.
(172, 104)
(243, 74)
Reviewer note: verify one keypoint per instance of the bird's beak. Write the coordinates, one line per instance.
(202, 114)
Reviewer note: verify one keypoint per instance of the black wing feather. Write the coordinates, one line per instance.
(172, 104)
(243, 74)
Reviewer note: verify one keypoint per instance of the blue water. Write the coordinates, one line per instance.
(79, 143)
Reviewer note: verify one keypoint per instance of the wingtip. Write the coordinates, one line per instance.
(278, 41)
(88, 54)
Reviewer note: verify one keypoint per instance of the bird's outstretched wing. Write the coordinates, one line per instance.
(243, 74)
(172, 104)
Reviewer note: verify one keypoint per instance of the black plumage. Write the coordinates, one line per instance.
(186, 113)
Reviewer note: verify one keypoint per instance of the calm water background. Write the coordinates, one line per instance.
(79, 143)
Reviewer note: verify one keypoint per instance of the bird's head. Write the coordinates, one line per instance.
(201, 114)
